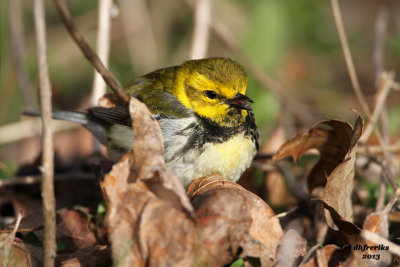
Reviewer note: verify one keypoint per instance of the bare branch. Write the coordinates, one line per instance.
(368, 150)
(89, 53)
(103, 48)
(380, 31)
(47, 137)
(392, 201)
(347, 55)
(33, 179)
(385, 85)
(18, 44)
(201, 29)
(29, 128)
(357, 89)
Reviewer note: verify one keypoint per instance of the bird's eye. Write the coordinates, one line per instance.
(211, 94)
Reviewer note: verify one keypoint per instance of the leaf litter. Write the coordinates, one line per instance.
(151, 221)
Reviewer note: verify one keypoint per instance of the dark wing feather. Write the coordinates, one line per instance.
(118, 115)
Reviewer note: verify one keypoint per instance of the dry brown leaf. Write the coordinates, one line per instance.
(109, 100)
(145, 230)
(18, 256)
(331, 138)
(359, 254)
(348, 229)
(336, 141)
(339, 185)
(233, 222)
(148, 212)
(377, 222)
(74, 230)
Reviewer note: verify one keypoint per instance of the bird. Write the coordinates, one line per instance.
(206, 119)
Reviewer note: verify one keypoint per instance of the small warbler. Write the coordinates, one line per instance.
(206, 120)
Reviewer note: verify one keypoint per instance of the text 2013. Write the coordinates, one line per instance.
(371, 256)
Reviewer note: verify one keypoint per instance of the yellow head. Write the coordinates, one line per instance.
(215, 89)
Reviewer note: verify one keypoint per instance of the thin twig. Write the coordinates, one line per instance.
(382, 193)
(201, 29)
(380, 31)
(385, 85)
(18, 44)
(347, 55)
(396, 86)
(368, 150)
(103, 48)
(357, 89)
(89, 53)
(377, 239)
(7, 244)
(13, 232)
(392, 201)
(29, 128)
(49, 207)
(33, 179)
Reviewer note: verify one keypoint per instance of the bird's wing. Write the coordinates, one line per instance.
(114, 115)
(154, 90)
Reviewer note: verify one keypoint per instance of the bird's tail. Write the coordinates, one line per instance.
(73, 116)
(96, 126)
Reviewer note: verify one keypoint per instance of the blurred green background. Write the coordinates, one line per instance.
(294, 41)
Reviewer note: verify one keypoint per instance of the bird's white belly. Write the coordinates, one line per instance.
(229, 159)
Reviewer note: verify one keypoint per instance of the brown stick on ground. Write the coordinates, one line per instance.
(89, 53)
(47, 137)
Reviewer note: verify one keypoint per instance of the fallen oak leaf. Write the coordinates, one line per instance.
(233, 222)
(339, 183)
(336, 141)
(150, 220)
(332, 138)
(348, 229)
(145, 230)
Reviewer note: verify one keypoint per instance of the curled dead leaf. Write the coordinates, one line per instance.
(339, 186)
(332, 138)
(233, 222)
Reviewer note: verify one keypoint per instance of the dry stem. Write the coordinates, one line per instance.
(33, 179)
(103, 48)
(47, 138)
(347, 55)
(385, 85)
(201, 29)
(18, 44)
(380, 30)
(356, 86)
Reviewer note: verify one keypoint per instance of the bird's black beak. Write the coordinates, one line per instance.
(240, 101)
